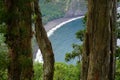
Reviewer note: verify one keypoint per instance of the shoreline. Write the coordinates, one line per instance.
(50, 27)
(55, 22)
(51, 31)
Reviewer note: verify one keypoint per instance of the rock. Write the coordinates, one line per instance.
(76, 8)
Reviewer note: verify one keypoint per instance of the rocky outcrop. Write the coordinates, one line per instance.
(76, 8)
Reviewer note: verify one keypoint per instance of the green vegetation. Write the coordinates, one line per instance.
(3, 47)
(62, 71)
(3, 58)
(117, 75)
(52, 10)
(77, 52)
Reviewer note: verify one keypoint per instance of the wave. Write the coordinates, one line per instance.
(49, 33)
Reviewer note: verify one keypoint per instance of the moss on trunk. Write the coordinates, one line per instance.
(18, 38)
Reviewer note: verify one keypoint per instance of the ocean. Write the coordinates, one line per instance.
(63, 38)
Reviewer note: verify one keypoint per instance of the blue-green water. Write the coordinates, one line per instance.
(63, 38)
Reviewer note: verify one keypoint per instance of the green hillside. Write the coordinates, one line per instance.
(53, 10)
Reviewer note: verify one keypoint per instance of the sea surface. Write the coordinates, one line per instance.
(63, 38)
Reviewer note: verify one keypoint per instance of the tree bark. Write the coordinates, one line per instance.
(99, 32)
(44, 45)
(18, 38)
(99, 44)
(25, 31)
(113, 39)
(12, 40)
(85, 58)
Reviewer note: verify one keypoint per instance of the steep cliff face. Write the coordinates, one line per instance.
(76, 8)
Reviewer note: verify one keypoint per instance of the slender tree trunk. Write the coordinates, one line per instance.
(113, 39)
(44, 45)
(18, 38)
(99, 45)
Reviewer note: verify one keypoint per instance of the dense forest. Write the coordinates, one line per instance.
(22, 29)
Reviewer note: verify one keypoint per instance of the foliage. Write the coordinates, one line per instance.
(80, 35)
(52, 9)
(62, 71)
(117, 74)
(3, 28)
(3, 58)
(38, 70)
(85, 19)
(118, 0)
(118, 53)
(77, 48)
(77, 51)
(2, 12)
(66, 72)
(3, 47)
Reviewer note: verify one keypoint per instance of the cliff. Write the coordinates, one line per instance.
(76, 8)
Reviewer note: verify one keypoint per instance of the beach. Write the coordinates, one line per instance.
(50, 27)
(56, 22)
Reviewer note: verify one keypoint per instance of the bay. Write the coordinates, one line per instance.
(63, 38)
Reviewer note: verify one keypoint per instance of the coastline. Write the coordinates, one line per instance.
(50, 27)
(51, 31)
(52, 24)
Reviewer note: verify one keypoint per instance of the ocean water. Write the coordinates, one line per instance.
(63, 38)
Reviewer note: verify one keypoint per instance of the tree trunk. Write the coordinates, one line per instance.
(113, 39)
(12, 40)
(25, 32)
(18, 38)
(99, 32)
(44, 45)
(98, 59)
(85, 58)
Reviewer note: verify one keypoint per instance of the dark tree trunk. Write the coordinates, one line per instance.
(99, 45)
(12, 40)
(85, 58)
(18, 38)
(44, 45)
(113, 39)
(25, 32)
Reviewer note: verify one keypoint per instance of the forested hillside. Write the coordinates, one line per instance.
(62, 8)
(52, 10)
